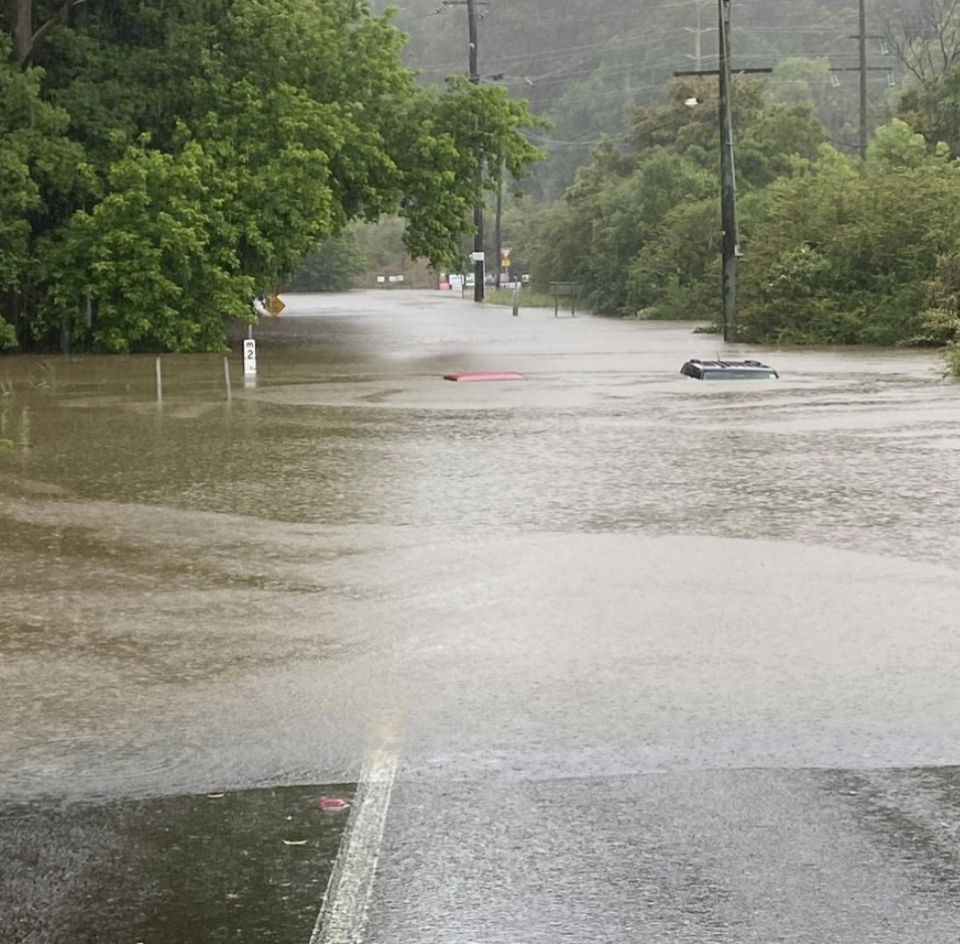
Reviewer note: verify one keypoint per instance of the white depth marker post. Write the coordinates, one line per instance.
(249, 357)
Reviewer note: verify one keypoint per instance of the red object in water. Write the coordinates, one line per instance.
(475, 375)
(332, 804)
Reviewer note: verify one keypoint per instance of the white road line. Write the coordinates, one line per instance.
(343, 914)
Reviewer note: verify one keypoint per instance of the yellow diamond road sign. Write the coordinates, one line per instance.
(274, 305)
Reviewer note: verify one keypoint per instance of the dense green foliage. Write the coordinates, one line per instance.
(163, 163)
(844, 254)
(638, 230)
(331, 267)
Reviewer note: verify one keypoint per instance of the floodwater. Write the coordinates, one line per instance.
(705, 609)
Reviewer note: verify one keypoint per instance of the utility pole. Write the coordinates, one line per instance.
(497, 229)
(863, 79)
(728, 183)
(478, 174)
(862, 69)
(730, 241)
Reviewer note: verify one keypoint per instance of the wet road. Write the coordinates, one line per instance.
(655, 659)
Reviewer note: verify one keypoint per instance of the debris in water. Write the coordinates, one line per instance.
(332, 804)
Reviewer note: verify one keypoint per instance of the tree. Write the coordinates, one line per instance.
(248, 131)
(842, 254)
(635, 229)
(941, 319)
(933, 109)
(896, 145)
(26, 33)
(924, 37)
(332, 267)
(34, 158)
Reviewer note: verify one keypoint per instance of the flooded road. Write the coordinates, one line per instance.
(655, 656)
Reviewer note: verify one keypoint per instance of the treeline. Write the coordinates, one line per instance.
(836, 250)
(162, 164)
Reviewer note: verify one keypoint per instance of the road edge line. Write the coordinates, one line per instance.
(343, 914)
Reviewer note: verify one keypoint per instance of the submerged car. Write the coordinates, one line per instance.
(728, 370)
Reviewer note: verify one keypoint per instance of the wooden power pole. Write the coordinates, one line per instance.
(730, 242)
(478, 174)
(728, 182)
(862, 37)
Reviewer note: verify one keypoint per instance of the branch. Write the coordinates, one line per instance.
(45, 28)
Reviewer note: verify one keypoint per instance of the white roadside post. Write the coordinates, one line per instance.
(249, 357)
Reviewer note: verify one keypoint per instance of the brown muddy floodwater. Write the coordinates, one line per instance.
(653, 659)
(605, 568)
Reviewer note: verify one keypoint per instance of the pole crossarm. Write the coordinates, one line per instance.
(703, 72)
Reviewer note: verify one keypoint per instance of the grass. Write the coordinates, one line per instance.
(6, 424)
(15, 424)
(47, 380)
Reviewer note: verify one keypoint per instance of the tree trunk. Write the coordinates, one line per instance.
(25, 37)
(22, 32)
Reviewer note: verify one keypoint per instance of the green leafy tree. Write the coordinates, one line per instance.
(897, 146)
(153, 262)
(35, 160)
(941, 318)
(641, 238)
(843, 254)
(675, 276)
(220, 142)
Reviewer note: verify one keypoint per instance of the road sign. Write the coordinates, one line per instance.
(274, 305)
